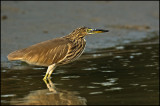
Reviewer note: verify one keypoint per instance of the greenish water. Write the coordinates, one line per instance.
(123, 75)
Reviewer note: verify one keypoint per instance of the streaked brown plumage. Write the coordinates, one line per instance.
(55, 52)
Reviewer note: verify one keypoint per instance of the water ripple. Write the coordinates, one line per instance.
(8, 95)
(93, 93)
(104, 83)
(114, 89)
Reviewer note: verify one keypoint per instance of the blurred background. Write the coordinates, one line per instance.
(118, 67)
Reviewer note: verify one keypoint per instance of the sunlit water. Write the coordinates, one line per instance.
(120, 75)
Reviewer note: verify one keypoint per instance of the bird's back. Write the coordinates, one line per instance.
(44, 53)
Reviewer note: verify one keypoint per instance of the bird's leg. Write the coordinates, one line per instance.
(45, 77)
(50, 72)
(50, 69)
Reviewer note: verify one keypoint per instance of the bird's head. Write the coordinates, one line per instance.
(83, 31)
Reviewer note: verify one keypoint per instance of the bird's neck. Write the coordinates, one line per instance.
(74, 37)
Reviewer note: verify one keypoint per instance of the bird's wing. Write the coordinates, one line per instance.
(44, 53)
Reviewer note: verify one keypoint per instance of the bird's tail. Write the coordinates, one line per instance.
(16, 55)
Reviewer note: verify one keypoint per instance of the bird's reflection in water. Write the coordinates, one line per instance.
(53, 96)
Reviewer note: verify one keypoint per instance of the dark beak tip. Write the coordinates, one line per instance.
(106, 31)
(102, 30)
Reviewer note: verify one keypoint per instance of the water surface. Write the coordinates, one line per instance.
(119, 75)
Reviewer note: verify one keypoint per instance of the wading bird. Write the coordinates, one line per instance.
(55, 52)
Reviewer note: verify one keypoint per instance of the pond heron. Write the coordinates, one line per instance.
(54, 52)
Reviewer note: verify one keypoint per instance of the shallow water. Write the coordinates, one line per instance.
(120, 75)
(124, 74)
